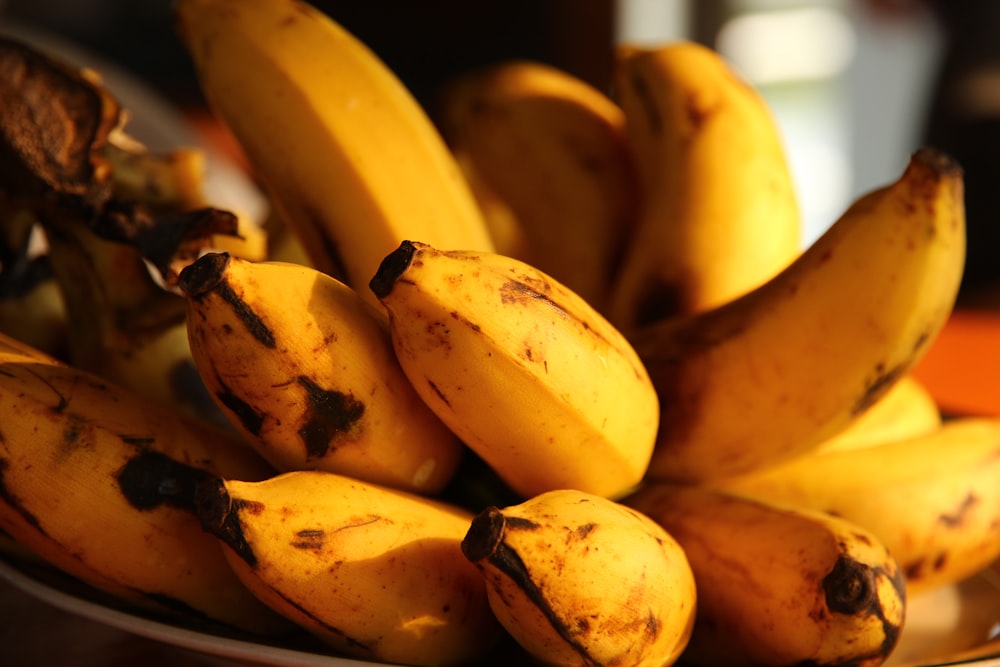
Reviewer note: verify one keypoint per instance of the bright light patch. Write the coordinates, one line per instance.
(788, 45)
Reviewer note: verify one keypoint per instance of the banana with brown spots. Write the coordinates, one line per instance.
(580, 580)
(779, 585)
(933, 499)
(527, 373)
(376, 573)
(776, 372)
(302, 365)
(719, 213)
(101, 485)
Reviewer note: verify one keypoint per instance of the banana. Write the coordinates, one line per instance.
(719, 214)
(305, 368)
(777, 371)
(100, 484)
(578, 579)
(932, 499)
(339, 144)
(375, 573)
(554, 149)
(907, 409)
(778, 585)
(523, 370)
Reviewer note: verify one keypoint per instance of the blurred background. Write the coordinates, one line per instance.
(856, 85)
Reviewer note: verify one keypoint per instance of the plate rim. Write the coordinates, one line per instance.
(167, 633)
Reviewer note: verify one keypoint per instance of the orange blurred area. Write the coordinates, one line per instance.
(962, 367)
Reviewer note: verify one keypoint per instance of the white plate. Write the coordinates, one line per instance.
(956, 625)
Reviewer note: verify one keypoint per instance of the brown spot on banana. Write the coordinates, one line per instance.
(527, 289)
(650, 108)
(697, 113)
(884, 379)
(330, 415)
(219, 514)
(956, 518)
(138, 441)
(437, 391)
(920, 568)
(246, 414)
(309, 539)
(151, 479)
(207, 275)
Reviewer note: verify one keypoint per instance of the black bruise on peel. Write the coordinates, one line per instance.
(151, 479)
(249, 418)
(484, 541)
(329, 414)
(250, 319)
(877, 389)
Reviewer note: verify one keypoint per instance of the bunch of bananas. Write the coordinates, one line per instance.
(552, 376)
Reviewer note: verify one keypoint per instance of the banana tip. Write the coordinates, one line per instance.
(218, 514)
(484, 535)
(938, 161)
(392, 266)
(203, 274)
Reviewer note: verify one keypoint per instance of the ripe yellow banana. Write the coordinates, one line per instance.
(932, 499)
(907, 409)
(777, 371)
(553, 148)
(100, 484)
(341, 147)
(778, 585)
(578, 579)
(719, 214)
(374, 572)
(526, 372)
(306, 369)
